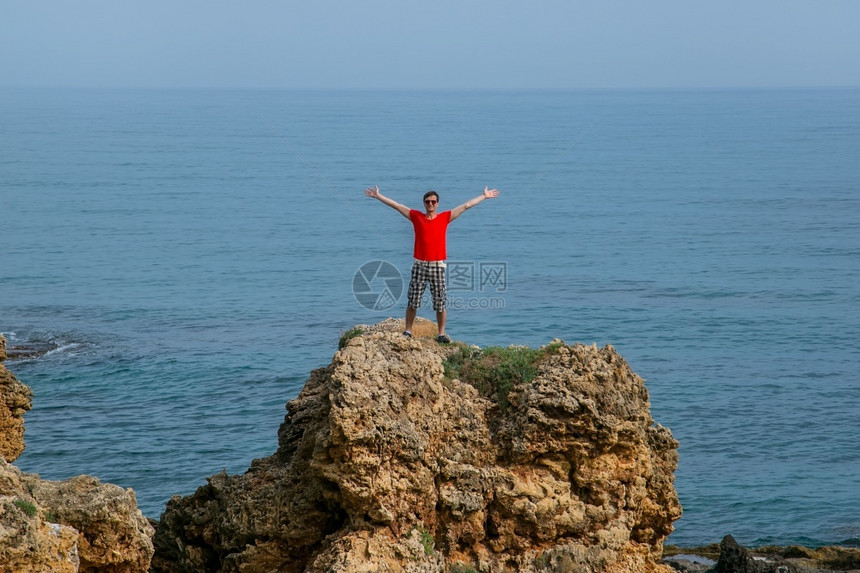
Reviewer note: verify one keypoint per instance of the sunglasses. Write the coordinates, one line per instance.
(430, 201)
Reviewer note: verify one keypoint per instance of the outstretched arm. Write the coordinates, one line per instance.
(374, 192)
(460, 209)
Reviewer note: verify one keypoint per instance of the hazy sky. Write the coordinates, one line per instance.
(429, 44)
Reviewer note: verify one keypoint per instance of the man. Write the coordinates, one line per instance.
(429, 252)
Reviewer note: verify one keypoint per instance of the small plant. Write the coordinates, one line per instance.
(495, 370)
(349, 335)
(426, 540)
(551, 348)
(455, 360)
(26, 507)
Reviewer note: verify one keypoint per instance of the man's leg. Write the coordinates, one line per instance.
(439, 292)
(441, 317)
(410, 317)
(417, 284)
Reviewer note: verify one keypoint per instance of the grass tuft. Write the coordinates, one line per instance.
(26, 507)
(495, 370)
(349, 335)
(425, 538)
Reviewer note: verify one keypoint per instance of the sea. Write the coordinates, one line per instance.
(191, 255)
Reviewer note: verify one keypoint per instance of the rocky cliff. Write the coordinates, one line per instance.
(75, 526)
(14, 403)
(407, 455)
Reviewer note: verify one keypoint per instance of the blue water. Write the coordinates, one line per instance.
(193, 254)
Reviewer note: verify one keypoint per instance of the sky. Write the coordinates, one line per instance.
(444, 44)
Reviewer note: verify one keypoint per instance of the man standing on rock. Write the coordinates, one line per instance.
(429, 252)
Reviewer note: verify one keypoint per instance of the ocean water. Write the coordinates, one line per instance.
(193, 256)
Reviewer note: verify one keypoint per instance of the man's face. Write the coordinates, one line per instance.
(430, 203)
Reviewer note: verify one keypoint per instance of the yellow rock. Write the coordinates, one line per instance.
(384, 464)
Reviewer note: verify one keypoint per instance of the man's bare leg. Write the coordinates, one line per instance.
(410, 317)
(441, 317)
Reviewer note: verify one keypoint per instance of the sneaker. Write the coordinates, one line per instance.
(407, 334)
(443, 339)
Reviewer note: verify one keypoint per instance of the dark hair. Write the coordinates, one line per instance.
(431, 192)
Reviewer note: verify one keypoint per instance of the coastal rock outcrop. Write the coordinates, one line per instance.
(112, 534)
(28, 541)
(14, 403)
(407, 455)
(734, 558)
(75, 526)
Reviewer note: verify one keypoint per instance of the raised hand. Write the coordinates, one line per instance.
(372, 191)
(490, 193)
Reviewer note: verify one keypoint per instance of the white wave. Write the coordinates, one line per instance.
(63, 348)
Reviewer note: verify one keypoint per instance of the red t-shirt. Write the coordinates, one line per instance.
(430, 235)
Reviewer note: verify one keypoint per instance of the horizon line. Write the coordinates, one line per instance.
(737, 87)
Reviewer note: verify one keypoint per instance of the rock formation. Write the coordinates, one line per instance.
(733, 558)
(407, 455)
(14, 402)
(28, 541)
(75, 526)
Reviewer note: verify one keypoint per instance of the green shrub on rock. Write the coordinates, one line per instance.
(26, 507)
(495, 370)
(347, 336)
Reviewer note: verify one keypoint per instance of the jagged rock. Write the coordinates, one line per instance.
(29, 349)
(737, 559)
(14, 402)
(114, 535)
(78, 525)
(75, 526)
(386, 464)
(421, 327)
(28, 542)
(734, 558)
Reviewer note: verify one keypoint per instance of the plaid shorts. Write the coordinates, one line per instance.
(422, 273)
